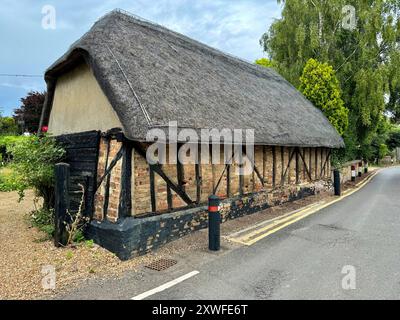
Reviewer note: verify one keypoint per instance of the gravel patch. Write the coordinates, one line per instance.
(25, 251)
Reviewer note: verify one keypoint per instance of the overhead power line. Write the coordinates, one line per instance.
(21, 75)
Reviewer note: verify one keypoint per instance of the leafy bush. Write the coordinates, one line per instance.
(320, 85)
(43, 219)
(8, 125)
(6, 143)
(383, 151)
(7, 181)
(264, 62)
(33, 166)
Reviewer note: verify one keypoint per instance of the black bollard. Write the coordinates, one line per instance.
(214, 221)
(366, 167)
(360, 166)
(336, 182)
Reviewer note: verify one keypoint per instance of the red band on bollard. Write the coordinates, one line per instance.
(213, 208)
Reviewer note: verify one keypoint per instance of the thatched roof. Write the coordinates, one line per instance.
(152, 75)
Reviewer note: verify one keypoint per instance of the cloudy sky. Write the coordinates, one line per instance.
(234, 26)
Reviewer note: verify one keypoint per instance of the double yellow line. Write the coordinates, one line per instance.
(251, 237)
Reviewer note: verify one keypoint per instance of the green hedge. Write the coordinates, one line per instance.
(6, 143)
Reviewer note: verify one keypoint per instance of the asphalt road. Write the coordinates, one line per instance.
(306, 260)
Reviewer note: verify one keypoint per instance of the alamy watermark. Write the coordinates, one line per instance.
(349, 280)
(49, 279)
(203, 146)
(49, 19)
(349, 21)
(348, 15)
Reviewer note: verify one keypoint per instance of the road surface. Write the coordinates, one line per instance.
(350, 250)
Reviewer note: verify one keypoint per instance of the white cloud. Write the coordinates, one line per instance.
(21, 85)
(233, 26)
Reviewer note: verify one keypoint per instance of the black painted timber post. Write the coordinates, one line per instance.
(214, 222)
(360, 166)
(61, 191)
(353, 173)
(336, 182)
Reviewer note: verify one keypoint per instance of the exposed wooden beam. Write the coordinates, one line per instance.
(107, 186)
(321, 155)
(304, 163)
(228, 181)
(264, 168)
(316, 163)
(256, 171)
(289, 164)
(310, 163)
(273, 167)
(241, 178)
(219, 179)
(180, 170)
(158, 169)
(290, 161)
(326, 161)
(253, 180)
(306, 170)
(125, 200)
(259, 175)
(198, 182)
(297, 152)
(282, 165)
(117, 157)
(227, 169)
(169, 198)
(176, 188)
(152, 190)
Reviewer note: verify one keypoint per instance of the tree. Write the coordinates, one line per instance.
(383, 151)
(394, 138)
(8, 126)
(30, 111)
(319, 84)
(362, 55)
(393, 105)
(379, 140)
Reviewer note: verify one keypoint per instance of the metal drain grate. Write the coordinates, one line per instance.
(161, 264)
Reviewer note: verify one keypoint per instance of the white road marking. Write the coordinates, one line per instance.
(165, 286)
